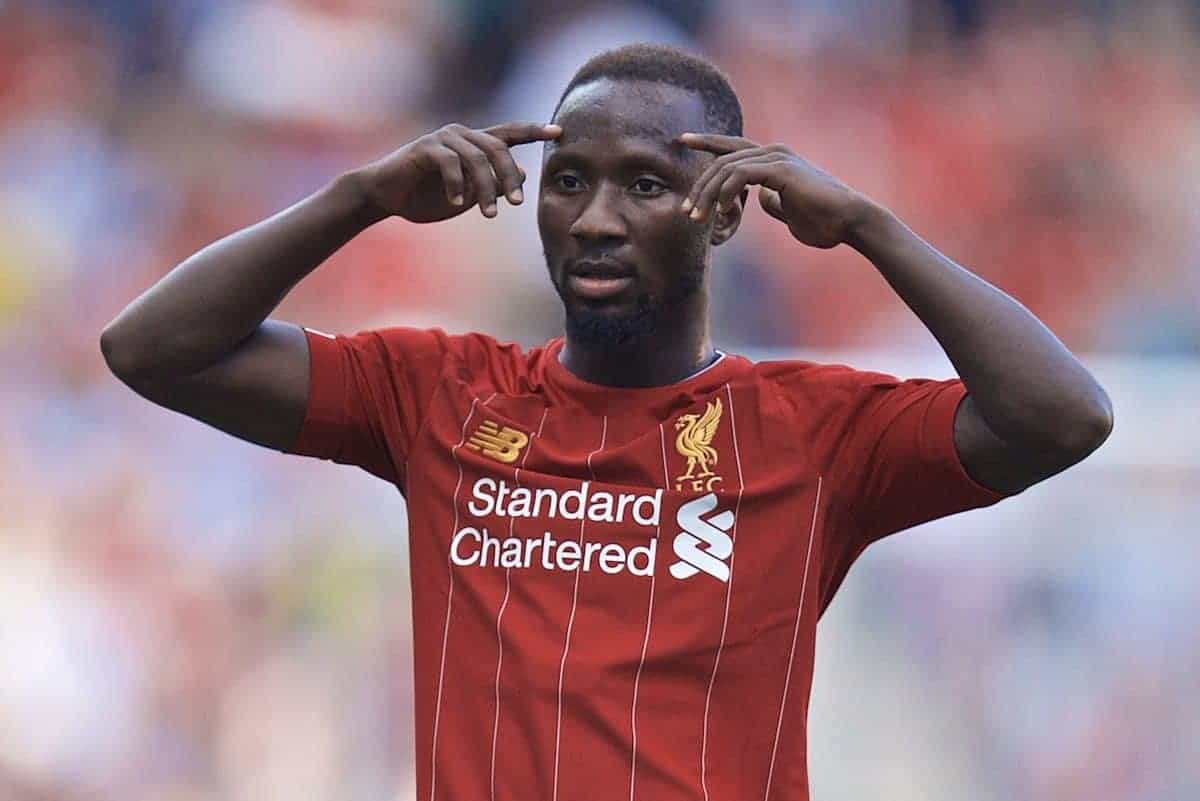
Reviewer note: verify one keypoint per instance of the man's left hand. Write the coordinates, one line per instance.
(818, 209)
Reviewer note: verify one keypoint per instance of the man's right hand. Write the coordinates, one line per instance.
(200, 342)
(446, 172)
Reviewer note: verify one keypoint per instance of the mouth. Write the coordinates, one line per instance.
(599, 280)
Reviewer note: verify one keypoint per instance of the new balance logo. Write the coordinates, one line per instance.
(501, 444)
(703, 545)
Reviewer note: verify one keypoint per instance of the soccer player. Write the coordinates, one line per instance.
(621, 540)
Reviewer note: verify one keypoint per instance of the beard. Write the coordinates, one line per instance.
(627, 327)
(596, 327)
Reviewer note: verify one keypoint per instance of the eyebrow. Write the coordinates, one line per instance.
(652, 160)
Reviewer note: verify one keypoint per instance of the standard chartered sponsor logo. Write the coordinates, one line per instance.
(702, 546)
(473, 547)
(697, 532)
(492, 497)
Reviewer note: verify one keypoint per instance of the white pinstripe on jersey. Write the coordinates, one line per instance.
(728, 594)
(571, 620)
(812, 535)
(504, 604)
(449, 600)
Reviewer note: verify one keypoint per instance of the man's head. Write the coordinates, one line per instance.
(623, 257)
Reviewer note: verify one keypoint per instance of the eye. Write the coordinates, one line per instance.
(648, 186)
(567, 181)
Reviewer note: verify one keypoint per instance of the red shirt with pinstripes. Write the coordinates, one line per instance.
(615, 592)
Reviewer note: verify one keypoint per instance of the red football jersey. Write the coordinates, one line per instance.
(615, 592)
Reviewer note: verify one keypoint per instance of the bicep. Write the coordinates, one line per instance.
(258, 392)
(994, 463)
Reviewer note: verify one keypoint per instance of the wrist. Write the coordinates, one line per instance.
(352, 191)
(869, 224)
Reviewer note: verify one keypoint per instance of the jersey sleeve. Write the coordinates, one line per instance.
(897, 464)
(892, 464)
(368, 396)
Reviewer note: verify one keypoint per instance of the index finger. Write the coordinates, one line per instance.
(522, 133)
(717, 144)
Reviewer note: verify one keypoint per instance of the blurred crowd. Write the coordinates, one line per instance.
(184, 617)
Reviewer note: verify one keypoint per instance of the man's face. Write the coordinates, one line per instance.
(620, 252)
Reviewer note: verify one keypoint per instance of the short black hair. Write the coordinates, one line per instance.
(658, 63)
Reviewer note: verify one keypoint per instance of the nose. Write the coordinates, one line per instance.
(601, 217)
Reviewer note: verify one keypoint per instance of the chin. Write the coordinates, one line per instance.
(610, 325)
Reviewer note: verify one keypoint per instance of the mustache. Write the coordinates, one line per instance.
(598, 267)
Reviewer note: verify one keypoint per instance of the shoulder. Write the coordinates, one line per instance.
(806, 383)
(472, 357)
(472, 347)
(798, 372)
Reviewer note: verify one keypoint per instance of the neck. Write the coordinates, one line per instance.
(678, 349)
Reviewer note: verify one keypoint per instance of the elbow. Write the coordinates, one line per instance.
(1088, 428)
(122, 359)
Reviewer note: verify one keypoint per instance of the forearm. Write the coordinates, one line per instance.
(1029, 389)
(213, 300)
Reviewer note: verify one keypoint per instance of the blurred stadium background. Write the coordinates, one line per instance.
(184, 617)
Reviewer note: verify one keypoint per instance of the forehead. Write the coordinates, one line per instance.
(650, 113)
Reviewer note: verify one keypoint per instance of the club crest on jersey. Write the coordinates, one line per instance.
(694, 443)
(502, 444)
(703, 545)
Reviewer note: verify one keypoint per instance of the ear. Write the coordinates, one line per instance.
(726, 222)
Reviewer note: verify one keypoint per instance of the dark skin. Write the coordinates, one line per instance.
(199, 341)
(611, 188)
(1033, 409)
(631, 179)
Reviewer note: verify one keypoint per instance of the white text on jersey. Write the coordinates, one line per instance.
(495, 497)
(473, 547)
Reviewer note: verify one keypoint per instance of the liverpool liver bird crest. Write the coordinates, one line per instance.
(694, 441)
